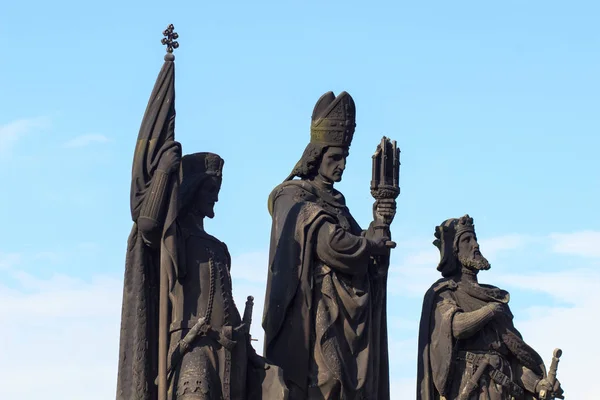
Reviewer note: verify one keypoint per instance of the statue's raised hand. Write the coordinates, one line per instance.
(384, 210)
(170, 158)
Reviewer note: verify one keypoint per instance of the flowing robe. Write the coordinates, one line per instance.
(443, 370)
(325, 315)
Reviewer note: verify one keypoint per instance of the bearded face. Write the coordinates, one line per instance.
(207, 196)
(469, 255)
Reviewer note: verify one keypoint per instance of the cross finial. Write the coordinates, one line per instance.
(170, 38)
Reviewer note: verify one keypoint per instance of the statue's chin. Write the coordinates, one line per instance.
(479, 263)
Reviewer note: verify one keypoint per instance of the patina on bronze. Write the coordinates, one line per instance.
(324, 318)
(469, 348)
(182, 336)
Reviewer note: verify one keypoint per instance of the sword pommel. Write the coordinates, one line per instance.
(557, 353)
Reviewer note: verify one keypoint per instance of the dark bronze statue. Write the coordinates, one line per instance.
(325, 317)
(182, 336)
(468, 346)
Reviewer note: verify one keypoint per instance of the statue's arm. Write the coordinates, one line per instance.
(153, 211)
(466, 324)
(342, 250)
(154, 206)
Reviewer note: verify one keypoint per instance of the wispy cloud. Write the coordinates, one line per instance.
(584, 243)
(65, 321)
(572, 328)
(13, 131)
(9, 260)
(86, 140)
(403, 389)
(56, 313)
(493, 246)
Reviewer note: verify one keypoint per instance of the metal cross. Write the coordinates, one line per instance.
(170, 38)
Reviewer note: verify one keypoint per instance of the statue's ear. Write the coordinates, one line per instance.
(322, 104)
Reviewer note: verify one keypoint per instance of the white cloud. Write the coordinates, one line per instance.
(86, 140)
(493, 246)
(59, 333)
(9, 260)
(10, 133)
(74, 323)
(584, 243)
(572, 328)
(403, 389)
(416, 271)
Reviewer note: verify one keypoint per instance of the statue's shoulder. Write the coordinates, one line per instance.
(442, 285)
(442, 290)
(208, 241)
(293, 191)
(294, 187)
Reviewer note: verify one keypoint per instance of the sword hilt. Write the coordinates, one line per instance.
(247, 319)
(545, 394)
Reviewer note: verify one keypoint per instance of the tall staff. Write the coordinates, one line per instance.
(163, 313)
(154, 187)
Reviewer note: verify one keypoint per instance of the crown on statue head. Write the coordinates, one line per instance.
(451, 229)
(464, 224)
(202, 163)
(333, 120)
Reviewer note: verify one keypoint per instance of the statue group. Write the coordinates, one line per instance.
(183, 337)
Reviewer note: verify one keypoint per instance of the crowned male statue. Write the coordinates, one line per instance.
(324, 315)
(469, 348)
(182, 337)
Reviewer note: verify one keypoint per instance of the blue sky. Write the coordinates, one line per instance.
(493, 105)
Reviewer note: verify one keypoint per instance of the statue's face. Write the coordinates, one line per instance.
(207, 196)
(468, 253)
(333, 163)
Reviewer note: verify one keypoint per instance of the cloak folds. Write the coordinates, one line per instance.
(432, 378)
(311, 318)
(289, 281)
(138, 348)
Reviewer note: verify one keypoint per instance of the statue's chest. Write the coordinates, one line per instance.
(207, 270)
(208, 284)
(344, 219)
